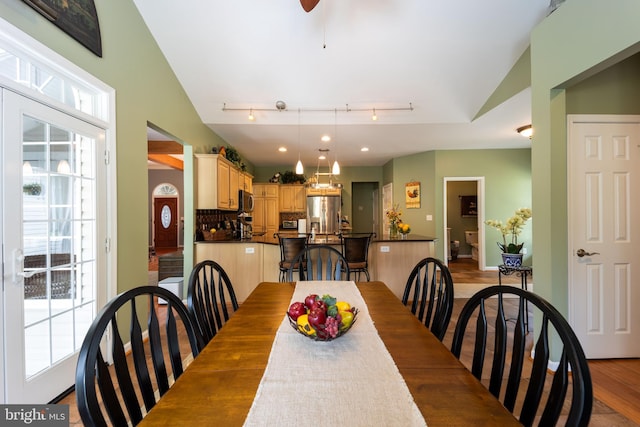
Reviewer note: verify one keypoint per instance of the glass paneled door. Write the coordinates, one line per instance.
(52, 184)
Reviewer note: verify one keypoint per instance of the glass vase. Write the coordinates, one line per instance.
(393, 230)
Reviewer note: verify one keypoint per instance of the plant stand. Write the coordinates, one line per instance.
(523, 272)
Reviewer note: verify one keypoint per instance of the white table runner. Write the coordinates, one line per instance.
(350, 381)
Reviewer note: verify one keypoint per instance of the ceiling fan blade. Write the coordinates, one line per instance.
(308, 5)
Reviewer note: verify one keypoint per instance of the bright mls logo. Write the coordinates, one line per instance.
(34, 415)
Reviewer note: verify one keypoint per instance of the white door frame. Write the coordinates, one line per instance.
(480, 192)
(25, 46)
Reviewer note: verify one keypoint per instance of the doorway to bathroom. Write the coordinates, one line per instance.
(463, 203)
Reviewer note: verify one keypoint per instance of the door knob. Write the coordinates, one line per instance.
(581, 253)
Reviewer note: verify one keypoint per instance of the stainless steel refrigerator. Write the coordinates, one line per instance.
(323, 214)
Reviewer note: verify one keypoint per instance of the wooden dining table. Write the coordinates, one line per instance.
(219, 386)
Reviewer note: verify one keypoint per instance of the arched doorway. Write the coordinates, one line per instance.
(165, 216)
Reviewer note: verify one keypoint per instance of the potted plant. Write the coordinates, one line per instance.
(393, 216)
(33, 189)
(290, 177)
(232, 155)
(511, 251)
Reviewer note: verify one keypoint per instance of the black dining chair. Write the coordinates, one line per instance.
(127, 390)
(319, 262)
(355, 249)
(290, 247)
(506, 358)
(429, 291)
(210, 298)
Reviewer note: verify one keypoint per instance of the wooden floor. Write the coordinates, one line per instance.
(615, 382)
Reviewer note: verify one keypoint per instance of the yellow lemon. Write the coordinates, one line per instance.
(347, 319)
(213, 230)
(304, 326)
(405, 227)
(343, 306)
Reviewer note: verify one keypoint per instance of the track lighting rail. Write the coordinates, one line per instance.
(346, 109)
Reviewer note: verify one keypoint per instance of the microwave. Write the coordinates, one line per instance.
(288, 225)
(245, 201)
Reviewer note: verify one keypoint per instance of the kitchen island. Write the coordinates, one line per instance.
(248, 262)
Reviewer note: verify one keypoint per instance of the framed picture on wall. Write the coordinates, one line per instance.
(412, 195)
(469, 206)
(77, 18)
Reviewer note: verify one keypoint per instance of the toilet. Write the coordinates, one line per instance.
(471, 237)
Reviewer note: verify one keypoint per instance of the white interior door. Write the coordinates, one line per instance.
(604, 294)
(51, 184)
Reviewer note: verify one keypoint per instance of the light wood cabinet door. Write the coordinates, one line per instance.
(234, 176)
(272, 218)
(246, 182)
(286, 198)
(299, 198)
(292, 198)
(217, 182)
(206, 179)
(259, 222)
(266, 213)
(224, 196)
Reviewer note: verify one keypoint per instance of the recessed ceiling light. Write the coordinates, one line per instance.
(282, 149)
(364, 149)
(325, 138)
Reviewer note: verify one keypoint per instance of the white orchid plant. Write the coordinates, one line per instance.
(513, 227)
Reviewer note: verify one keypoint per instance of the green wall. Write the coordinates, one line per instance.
(146, 91)
(615, 90)
(507, 187)
(507, 180)
(560, 59)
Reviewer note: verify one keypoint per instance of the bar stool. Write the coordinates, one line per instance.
(290, 247)
(355, 250)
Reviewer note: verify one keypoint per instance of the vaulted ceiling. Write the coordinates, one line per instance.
(426, 67)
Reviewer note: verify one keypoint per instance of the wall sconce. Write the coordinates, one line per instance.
(525, 131)
(374, 117)
(251, 116)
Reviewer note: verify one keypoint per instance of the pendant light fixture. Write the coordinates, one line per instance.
(299, 167)
(336, 167)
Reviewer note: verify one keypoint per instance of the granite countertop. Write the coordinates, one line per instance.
(332, 240)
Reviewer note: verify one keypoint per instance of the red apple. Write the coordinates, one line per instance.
(309, 300)
(317, 317)
(296, 309)
(320, 304)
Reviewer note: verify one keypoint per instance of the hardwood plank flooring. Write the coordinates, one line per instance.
(615, 382)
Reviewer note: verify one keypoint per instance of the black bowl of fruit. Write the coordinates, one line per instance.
(321, 318)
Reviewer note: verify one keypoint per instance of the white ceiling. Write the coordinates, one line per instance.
(444, 58)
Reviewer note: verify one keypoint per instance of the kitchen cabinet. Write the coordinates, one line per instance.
(245, 182)
(293, 198)
(235, 258)
(266, 216)
(217, 183)
(323, 191)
